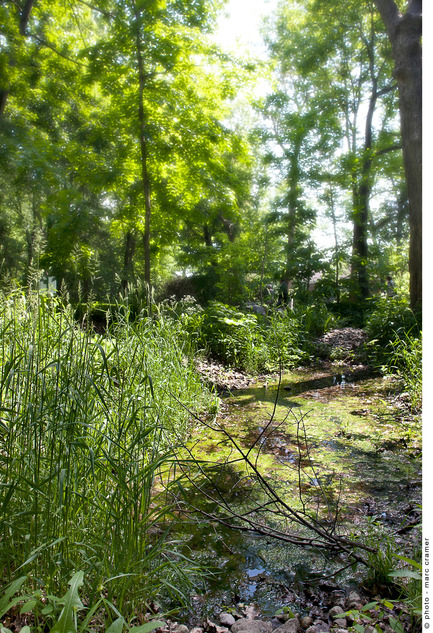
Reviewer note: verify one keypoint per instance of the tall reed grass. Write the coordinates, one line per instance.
(86, 423)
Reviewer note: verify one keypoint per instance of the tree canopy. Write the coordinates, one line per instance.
(126, 160)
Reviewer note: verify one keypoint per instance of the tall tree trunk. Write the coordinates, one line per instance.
(293, 205)
(128, 259)
(404, 32)
(24, 20)
(262, 272)
(25, 16)
(337, 247)
(207, 237)
(361, 203)
(142, 119)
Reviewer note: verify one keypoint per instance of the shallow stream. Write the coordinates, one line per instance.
(338, 435)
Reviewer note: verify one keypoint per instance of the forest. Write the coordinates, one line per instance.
(211, 332)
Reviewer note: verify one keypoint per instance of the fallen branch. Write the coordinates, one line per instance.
(255, 519)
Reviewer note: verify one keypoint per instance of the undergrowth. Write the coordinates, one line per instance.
(86, 425)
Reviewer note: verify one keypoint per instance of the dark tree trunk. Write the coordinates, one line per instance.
(404, 32)
(207, 235)
(24, 19)
(25, 16)
(229, 227)
(361, 205)
(337, 247)
(128, 261)
(292, 208)
(142, 119)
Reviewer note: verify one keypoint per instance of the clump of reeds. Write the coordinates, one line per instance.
(86, 422)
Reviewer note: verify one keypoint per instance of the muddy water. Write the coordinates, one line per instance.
(331, 440)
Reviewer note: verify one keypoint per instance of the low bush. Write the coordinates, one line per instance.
(406, 360)
(316, 319)
(246, 341)
(395, 343)
(390, 318)
(232, 337)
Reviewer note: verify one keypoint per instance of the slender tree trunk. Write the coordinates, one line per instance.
(207, 236)
(142, 119)
(128, 259)
(401, 216)
(24, 20)
(25, 15)
(3, 98)
(337, 246)
(229, 227)
(404, 32)
(262, 272)
(361, 201)
(293, 203)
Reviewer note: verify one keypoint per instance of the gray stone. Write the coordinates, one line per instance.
(321, 627)
(353, 599)
(181, 628)
(252, 611)
(257, 309)
(291, 626)
(306, 621)
(251, 626)
(335, 611)
(214, 628)
(340, 623)
(226, 619)
(197, 629)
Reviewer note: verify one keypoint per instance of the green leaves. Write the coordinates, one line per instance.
(6, 600)
(67, 623)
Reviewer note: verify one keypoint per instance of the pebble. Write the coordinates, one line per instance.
(354, 600)
(291, 626)
(306, 621)
(252, 626)
(320, 627)
(226, 619)
(335, 611)
(294, 622)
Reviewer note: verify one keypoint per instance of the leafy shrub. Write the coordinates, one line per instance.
(232, 337)
(406, 360)
(391, 319)
(283, 342)
(188, 315)
(316, 319)
(395, 343)
(245, 341)
(349, 313)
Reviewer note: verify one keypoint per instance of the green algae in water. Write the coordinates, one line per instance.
(347, 438)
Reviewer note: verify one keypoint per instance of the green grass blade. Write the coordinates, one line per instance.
(11, 590)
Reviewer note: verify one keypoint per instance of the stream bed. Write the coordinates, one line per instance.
(337, 441)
